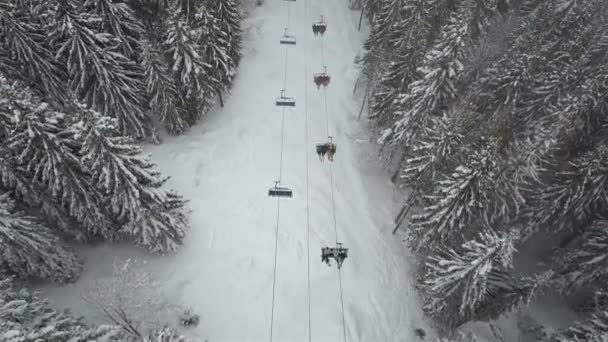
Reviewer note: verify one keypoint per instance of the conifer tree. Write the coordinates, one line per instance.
(100, 74)
(459, 199)
(582, 266)
(130, 184)
(460, 282)
(26, 56)
(214, 47)
(229, 23)
(440, 72)
(41, 165)
(119, 20)
(184, 54)
(592, 329)
(29, 249)
(409, 46)
(26, 317)
(160, 87)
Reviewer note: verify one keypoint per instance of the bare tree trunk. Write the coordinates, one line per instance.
(362, 106)
(361, 18)
(221, 100)
(403, 212)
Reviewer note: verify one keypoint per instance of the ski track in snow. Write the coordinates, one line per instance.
(225, 166)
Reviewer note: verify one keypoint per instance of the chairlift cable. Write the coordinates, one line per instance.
(307, 202)
(333, 201)
(274, 278)
(276, 239)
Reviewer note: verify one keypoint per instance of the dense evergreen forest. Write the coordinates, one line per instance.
(497, 112)
(82, 82)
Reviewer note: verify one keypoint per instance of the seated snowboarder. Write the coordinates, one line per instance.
(321, 151)
(339, 254)
(331, 150)
(325, 255)
(328, 148)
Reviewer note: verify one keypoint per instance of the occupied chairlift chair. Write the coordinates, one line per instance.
(328, 148)
(337, 253)
(285, 101)
(319, 27)
(278, 191)
(287, 39)
(321, 78)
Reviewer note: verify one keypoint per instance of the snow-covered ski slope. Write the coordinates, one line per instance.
(225, 166)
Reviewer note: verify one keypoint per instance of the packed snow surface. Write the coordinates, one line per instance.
(226, 164)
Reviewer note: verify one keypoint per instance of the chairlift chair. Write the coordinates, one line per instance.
(322, 78)
(328, 148)
(283, 100)
(319, 27)
(338, 253)
(288, 39)
(278, 191)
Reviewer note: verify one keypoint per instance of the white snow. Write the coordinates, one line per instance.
(225, 166)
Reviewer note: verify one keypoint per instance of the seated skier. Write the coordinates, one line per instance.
(328, 148)
(321, 151)
(331, 150)
(326, 253)
(339, 254)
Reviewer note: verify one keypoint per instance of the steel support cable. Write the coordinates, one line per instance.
(307, 201)
(307, 188)
(333, 200)
(276, 242)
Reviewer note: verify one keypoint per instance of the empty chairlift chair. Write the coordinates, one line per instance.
(277, 191)
(338, 253)
(283, 100)
(287, 39)
(319, 27)
(328, 148)
(322, 78)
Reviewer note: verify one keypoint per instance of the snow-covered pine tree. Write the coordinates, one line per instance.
(440, 72)
(26, 56)
(385, 17)
(41, 166)
(481, 14)
(164, 335)
(585, 264)
(102, 77)
(409, 47)
(474, 191)
(573, 193)
(428, 157)
(214, 48)
(29, 249)
(185, 57)
(594, 328)
(130, 184)
(437, 141)
(152, 13)
(119, 20)
(160, 87)
(371, 8)
(229, 15)
(473, 281)
(25, 317)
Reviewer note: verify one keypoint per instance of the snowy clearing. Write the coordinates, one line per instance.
(225, 166)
